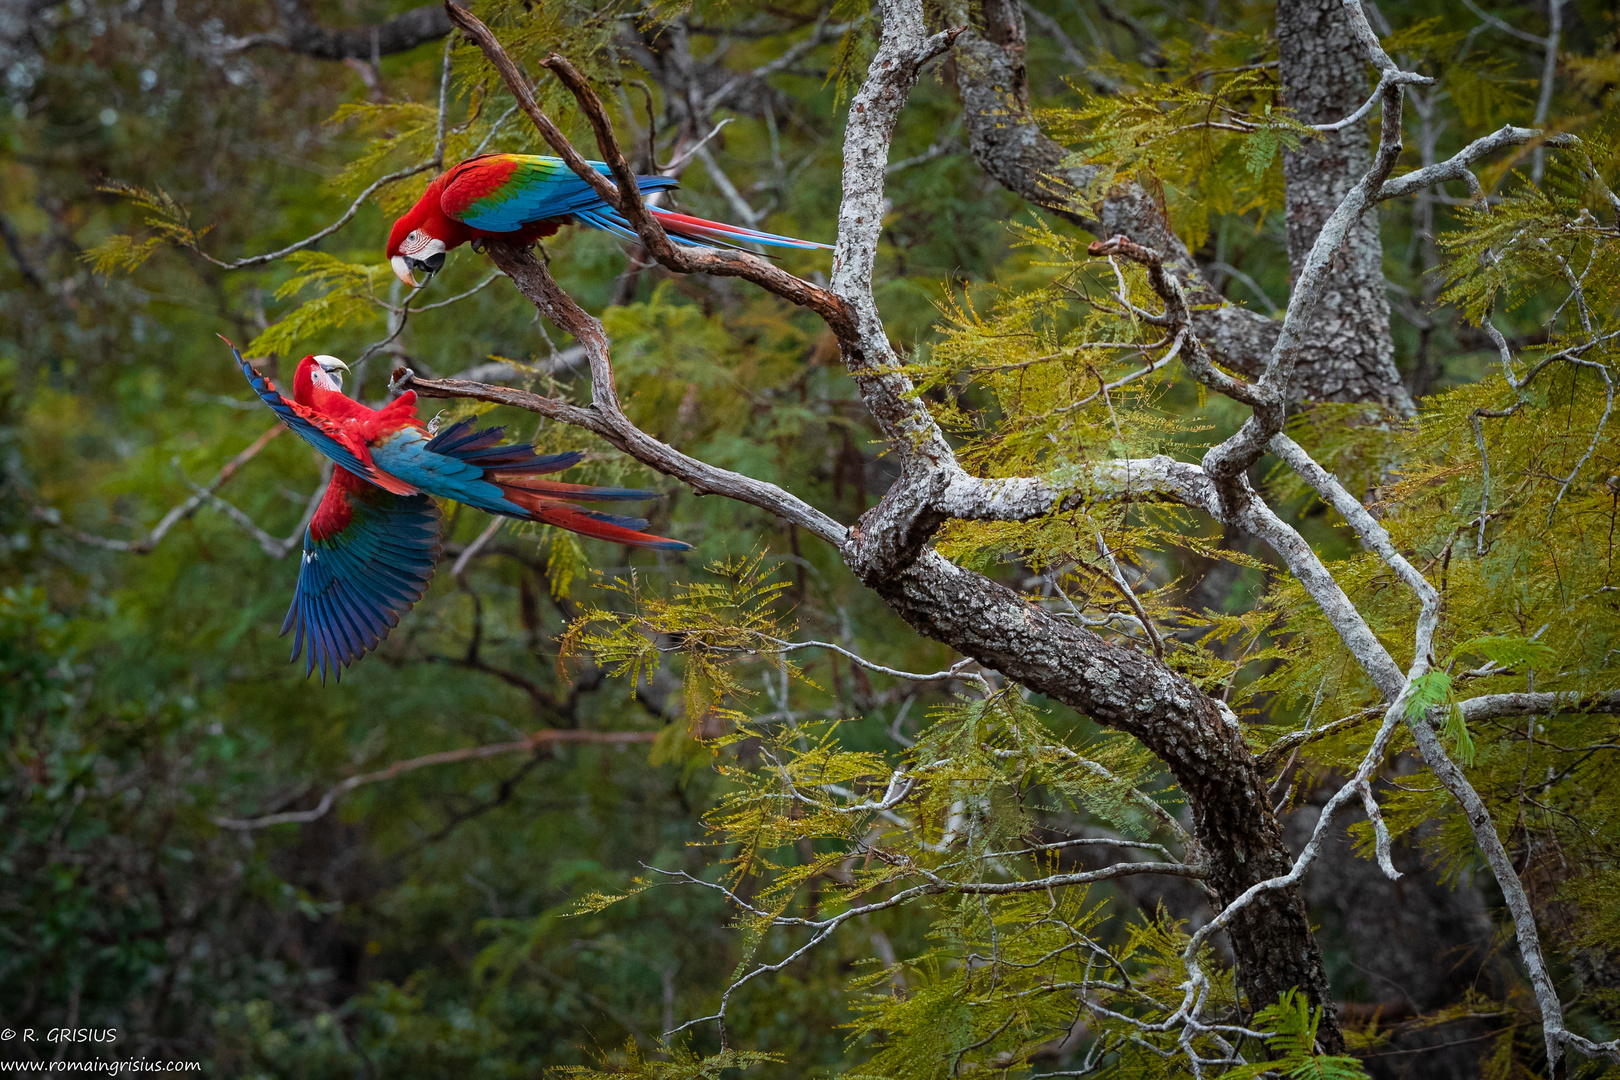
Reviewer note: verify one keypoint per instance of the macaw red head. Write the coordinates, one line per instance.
(421, 237)
(317, 373)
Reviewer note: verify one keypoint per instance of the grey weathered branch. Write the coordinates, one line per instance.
(1495, 706)
(1461, 164)
(1446, 770)
(1290, 744)
(604, 416)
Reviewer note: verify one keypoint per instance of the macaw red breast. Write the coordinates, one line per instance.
(334, 513)
(368, 424)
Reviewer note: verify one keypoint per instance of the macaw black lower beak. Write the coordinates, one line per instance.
(430, 265)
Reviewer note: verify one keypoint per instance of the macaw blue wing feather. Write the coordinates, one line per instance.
(368, 557)
(504, 192)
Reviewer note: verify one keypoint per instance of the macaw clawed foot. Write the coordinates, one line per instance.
(398, 379)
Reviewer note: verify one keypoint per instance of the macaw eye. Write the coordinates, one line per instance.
(415, 242)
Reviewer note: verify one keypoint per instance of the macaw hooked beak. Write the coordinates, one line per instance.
(330, 363)
(424, 258)
(402, 271)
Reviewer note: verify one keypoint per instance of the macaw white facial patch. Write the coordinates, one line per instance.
(416, 243)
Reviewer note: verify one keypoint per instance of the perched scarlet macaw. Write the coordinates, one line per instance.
(525, 197)
(371, 546)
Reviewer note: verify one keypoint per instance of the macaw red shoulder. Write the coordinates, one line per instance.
(351, 434)
(338, 405)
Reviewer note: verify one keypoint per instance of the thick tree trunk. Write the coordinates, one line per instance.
(1350, 355)
(1007, 143)
(1198, 740)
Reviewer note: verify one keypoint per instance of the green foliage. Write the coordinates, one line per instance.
(1433, 690)
(349, 297)
(683, 1064)
(1292, 1024)
(710, 624)
(1206, 132)
(167, 223)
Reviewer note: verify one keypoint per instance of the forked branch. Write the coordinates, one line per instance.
(624, 194)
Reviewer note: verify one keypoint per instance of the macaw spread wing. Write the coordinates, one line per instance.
(368, 557)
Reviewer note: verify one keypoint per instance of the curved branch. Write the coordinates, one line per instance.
(311, 241)
(544, 737)
(624, 194)
(1460, 165)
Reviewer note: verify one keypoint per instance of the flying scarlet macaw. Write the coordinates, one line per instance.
(371, 546)
(525, 197)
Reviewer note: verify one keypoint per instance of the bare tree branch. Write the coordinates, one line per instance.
(1495, 706)
(179, 513)
(1460, 165)
(545, 737)
(300, 33)
(604, 416)
(311, 241)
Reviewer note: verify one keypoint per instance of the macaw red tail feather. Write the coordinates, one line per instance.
(557, 489)
(614, 528)
(699, 229)
(589, 523)
(688, 230)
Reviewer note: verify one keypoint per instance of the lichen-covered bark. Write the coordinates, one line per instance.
(1007, 143)
(1349, 352)
(1351, 356)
